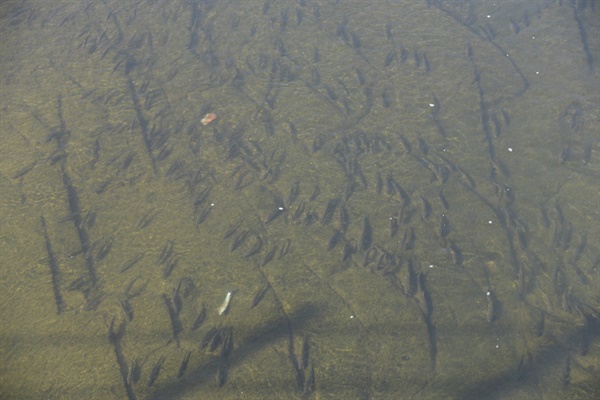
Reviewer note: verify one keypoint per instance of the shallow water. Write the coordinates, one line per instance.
(401, 196)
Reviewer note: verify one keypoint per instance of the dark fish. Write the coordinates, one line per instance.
(390, 184)
(177, 300)
(344, 218)
(469, 51)
(131, 290)
(426, 211)
(88, 220)
(315, 193)
(522, 368)
(166, 252)
(208, 337)
(409, 282)
(269, 256)
(285, 248)
(221, 376)
(127, 161)
(131, 262)
(389, 58)
(266, 7)
(403, 54)
(379, 184)
(299, 372)
(284, 19)
(199, 319)
(104, 249)
(505, 117)
(294, 192)
(408, 241)
(24, 170)
(259, 295)
(239, 240)
(329, 211)
(277, 212)
(299, 211)
(230, 231)
(309, 385)
(305, 352)
(310, 217)
(170, 266)
(467, 177)
(514, 27)
(54, 271)
(386, 99)
(256, 246)
(426, 63)
(330, 92)
(155, 371)
(417, 59)
(184, 364)
(134, 372)
(127, 309)
(335, 239)
(226, 343)
(360, 77)
(366, 236)
(215, 341)
(355, 40)
(422, 296)
(176, 325)
(565, 153)
(443, 200)
(456, 253)
(348, 250)
(202, 196)
(403, 194)
(114, 337)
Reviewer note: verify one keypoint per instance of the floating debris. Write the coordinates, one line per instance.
(225, 306)
(208, 118)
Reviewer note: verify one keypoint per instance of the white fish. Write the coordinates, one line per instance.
(225, 306)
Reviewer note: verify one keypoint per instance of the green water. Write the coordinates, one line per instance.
(326, 95)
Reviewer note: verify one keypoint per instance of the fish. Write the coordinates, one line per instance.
(184, 365)
(199, 319)
(155, 371)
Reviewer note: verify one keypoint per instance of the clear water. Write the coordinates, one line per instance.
(484, 115)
